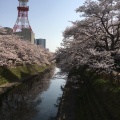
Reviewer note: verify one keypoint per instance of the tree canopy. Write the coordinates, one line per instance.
(14, 51)
(93, 41)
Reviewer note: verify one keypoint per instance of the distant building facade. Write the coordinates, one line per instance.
(41, 42)
(7, 31)
(26, 34)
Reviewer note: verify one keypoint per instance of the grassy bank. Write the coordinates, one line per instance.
(98, 99)
(8, 75)
(109, 96)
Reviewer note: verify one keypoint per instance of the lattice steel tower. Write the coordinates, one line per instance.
(22, 19)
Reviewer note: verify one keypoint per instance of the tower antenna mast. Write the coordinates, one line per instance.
(22, 19)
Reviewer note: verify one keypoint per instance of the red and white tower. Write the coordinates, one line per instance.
(22, 19)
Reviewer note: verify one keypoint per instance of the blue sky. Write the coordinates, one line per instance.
(48, 18)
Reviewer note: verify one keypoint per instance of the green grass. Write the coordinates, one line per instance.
(109, 94)
(8, 75)
(98, 100)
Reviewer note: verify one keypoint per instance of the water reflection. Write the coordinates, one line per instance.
(18, 103)
(34, 99)
(50, 99)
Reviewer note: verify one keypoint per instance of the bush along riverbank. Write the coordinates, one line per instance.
(11, 77)
(89, 98)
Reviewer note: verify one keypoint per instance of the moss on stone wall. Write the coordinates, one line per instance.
(18, 73)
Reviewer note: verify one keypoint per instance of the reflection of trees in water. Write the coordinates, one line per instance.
(57, 103)
(60, 97)
(18, 104)
(52, 118)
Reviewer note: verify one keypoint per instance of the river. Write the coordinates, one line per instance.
(35, 99)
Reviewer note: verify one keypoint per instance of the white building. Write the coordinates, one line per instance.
(26, 34)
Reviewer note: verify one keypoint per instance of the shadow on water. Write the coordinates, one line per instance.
(18, 103)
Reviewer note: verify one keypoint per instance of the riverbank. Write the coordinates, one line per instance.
(12, 77)
(97, 100)
(68, 106)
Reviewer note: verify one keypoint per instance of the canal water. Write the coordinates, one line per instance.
(35, 99)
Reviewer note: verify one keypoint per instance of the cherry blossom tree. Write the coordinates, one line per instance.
(14, 51)
(94, 40)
